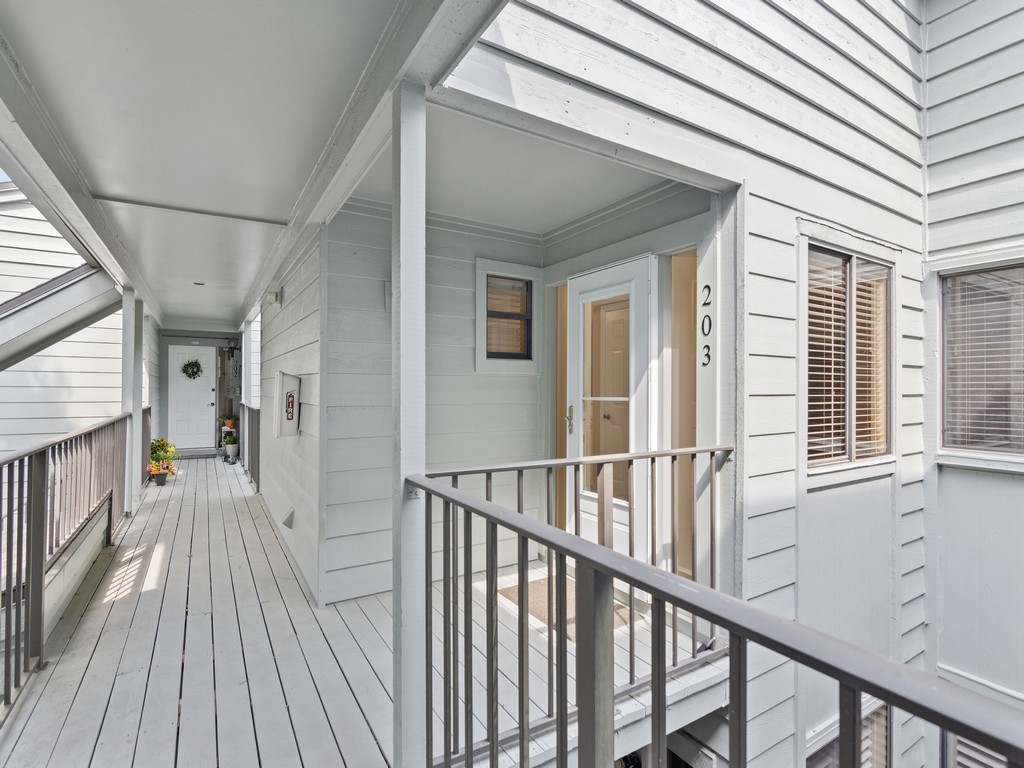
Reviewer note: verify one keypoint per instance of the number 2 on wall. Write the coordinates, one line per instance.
(705, 325)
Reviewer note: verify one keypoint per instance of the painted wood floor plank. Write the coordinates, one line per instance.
(158, 728)
(58, 641)
(42, 731)
(236, 733)
(359, 747)
(117, 738)
(197, 723)
(272, 722)
(316, 740)
(77, 741)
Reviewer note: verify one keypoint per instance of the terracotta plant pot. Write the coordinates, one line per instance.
(229, 423)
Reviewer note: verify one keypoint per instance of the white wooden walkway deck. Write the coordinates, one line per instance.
(191, 643)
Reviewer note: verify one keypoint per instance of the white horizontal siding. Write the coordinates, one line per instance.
(290, 466)
(72, 383)
(65, 387)
(817, 108)
(151, 374)
(256, 346)
(975, 121)
(471, 418)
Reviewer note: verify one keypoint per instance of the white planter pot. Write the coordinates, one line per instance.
(231, 450)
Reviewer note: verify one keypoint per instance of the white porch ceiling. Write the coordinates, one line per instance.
(220, 107)
(484, 172)
(205, 134)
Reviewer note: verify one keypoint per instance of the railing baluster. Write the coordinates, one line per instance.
(446, 620)
(632, 553)
(713, 534)
(467, 615)
(524, 652)
(594, 661)
(653, 518)
(673, 471)
(605, 501)
(849, 727)
(9, 581)
(551, 597)
(519, 491)
(659, 730)
(38, 472)
(428, 597)
(455, 628)
(492, 639)
(562, 718)
(737, 701)
(693, 552)
(17, 588)
(576, 490)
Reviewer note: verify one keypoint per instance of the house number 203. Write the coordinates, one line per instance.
(705, 324)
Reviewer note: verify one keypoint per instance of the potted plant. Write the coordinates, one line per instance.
(229, 420)
(231, 445)
(159, 470)
(161, 455)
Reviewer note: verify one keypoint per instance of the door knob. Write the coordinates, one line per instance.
(606, 416)
(211, 405)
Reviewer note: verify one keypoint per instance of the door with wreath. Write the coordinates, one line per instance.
(192, 396)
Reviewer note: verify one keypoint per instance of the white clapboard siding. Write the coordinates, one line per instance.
(471, 418)
(817, 107)
(151, 374)
(65, 387)
(289, 339)
(255, 385)
(975, 142)
(976, 126)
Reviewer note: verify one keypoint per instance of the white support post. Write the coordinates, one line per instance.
(131, 395)
(408, 398)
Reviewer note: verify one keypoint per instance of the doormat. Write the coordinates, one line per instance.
(537, 594)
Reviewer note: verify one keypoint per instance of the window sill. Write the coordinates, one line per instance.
(986, 462)
(830, 475)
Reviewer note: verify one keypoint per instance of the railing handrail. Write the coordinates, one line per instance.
(63, 438)
(962, 711)
(610, 458)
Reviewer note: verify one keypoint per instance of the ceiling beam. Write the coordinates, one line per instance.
(35, 156)
(423, 41)
(190, 211)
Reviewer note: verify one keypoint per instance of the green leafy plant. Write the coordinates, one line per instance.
(161, 449)
(230, 440)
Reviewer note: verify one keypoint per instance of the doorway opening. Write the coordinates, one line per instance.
(608, 396)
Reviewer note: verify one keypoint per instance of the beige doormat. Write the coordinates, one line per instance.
(538, 600)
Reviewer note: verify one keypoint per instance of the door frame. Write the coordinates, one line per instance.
(639, 277)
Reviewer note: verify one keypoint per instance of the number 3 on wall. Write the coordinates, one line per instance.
(705, 325)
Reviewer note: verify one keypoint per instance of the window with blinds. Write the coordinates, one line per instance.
(983, 358)
(509, 318)
(848, 376)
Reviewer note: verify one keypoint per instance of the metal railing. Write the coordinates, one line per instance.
(48, 494)
(596, 569)
(249, 440)
(659, 489)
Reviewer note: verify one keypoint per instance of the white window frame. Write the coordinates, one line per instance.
(813, 234)
(485, 364)
(1011, 456)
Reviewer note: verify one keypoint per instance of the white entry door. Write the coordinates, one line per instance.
(608, 378)
(192, 403)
